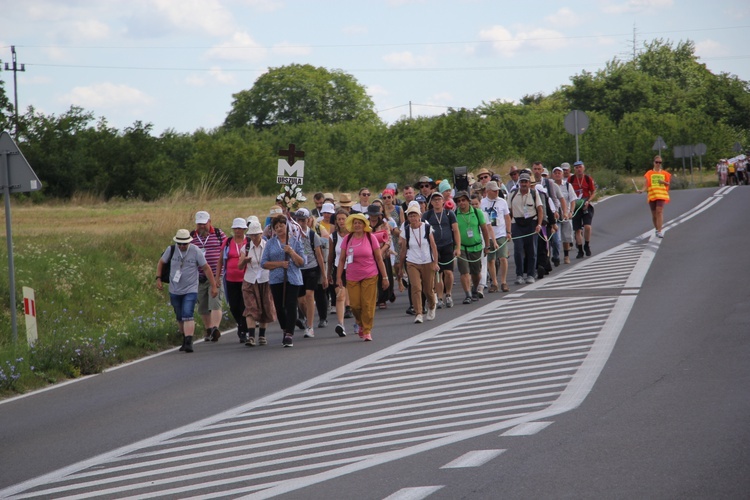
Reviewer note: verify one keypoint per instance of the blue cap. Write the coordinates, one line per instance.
(579, 162)
(420, 198)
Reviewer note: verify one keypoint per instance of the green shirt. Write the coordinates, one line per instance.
(470, 226)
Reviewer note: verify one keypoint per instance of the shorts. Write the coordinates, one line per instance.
(310, 279)
(206, 303)
(656, 203)
(581, 219)
(473, 267)
(183, 305)
(502, 251)
(445, 258)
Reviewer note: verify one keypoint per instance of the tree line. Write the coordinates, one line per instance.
(664, 91)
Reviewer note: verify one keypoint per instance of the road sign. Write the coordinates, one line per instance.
(700, 149)
(576, 122)
(737, 147)
(20, 176)
(659, 144)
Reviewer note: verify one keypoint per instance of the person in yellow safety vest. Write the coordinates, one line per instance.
(657, 189)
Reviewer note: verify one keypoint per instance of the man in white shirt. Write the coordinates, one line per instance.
(498, 220)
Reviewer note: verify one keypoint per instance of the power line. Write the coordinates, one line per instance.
(363, 45)
(15, 68)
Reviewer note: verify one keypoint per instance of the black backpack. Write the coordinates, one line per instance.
(426, 233)
(167, 268)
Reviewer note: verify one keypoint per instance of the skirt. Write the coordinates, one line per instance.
(258, 302)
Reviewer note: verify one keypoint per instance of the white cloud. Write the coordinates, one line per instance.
(710, 48)
(241, 47)
(208, 16)
(108, 96)
(407, 59)
(565, 18)
(264, 5)
(505, 43)
(214, 75)
(635, 6)
(377, 91)
(90, 29)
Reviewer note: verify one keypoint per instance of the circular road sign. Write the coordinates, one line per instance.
(576, 122)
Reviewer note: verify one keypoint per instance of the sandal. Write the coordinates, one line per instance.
(492, 289)
(504, 287)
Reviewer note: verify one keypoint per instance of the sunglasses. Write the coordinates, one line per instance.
(387, 197)
(365, 194)
(657, 162)
(424, 186)
(484, 177)
(182, 244)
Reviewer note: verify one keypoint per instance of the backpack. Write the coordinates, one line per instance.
(407, 233)
(167, 268)
(547, 213)
(217, 232)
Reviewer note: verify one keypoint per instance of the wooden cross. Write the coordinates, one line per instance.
(291, 154)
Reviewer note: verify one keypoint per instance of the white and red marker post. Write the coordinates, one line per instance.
(29, 308)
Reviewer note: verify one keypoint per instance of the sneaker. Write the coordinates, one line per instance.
(250, 342)
(215, 334)
(348, 313)
(566, 260)
(340, 330)
(431, 314)
(367, 337)
(323, 323)
(448, 301)
(418, 319)
(309, 333)
(587, 249)
(530, 279)
(301, 324)
(410, 311)
(659, 234)
(520, 280)
(440, 304)
(480, 293)
(288, 341)
(579, 255)
(467, 300)
(262, 341)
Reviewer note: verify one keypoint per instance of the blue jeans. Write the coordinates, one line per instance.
(184, 306)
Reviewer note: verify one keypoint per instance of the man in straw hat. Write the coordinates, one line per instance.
(184, 260)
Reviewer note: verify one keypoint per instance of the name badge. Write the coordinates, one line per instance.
(470, 233)
(177, 276)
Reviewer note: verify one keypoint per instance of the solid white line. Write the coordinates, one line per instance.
(415, 493)
(475, 458)
(526, 429)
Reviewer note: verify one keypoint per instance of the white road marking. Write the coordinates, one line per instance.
(526, 429)
(475, 458)
(416, 493)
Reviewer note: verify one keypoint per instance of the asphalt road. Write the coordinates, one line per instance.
(646, 396)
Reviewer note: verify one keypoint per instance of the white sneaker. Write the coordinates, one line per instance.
(309, 333)
(448, 301)
(530, 279)
(520, 280)
(418, 319)
(659, 234)
(431, 314)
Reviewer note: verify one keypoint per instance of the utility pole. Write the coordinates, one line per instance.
(15, 68)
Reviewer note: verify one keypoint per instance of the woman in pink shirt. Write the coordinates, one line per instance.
(234, 276)
(361, 258)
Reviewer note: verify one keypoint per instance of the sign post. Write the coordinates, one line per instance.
(291, 171)
(29, 309)
(576, 122)
(17, 176)
(659, 144)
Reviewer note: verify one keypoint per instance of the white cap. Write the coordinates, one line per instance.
(239, 223)
(202, 217)
(328, 208)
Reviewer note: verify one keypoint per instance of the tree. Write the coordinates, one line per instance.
(6, 109)
(301, 93)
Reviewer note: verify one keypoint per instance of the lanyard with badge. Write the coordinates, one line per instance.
(178, 273)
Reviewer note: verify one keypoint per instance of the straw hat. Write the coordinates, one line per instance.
(350, 222)
(345, 200)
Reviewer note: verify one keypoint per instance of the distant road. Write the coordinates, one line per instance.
(626, 374)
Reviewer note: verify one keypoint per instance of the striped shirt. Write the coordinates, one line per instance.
(210, 245)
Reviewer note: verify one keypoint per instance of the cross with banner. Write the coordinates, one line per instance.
(291, 171)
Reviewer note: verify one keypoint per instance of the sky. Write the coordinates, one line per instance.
(177, 63)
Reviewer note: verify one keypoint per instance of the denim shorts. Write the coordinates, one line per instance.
(184, 305)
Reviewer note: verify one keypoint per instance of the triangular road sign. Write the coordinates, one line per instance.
(21, 175)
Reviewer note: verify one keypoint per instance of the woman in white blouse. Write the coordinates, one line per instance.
(256, 291)
(418, 257)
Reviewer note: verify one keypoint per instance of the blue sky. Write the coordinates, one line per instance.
(176, 63)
